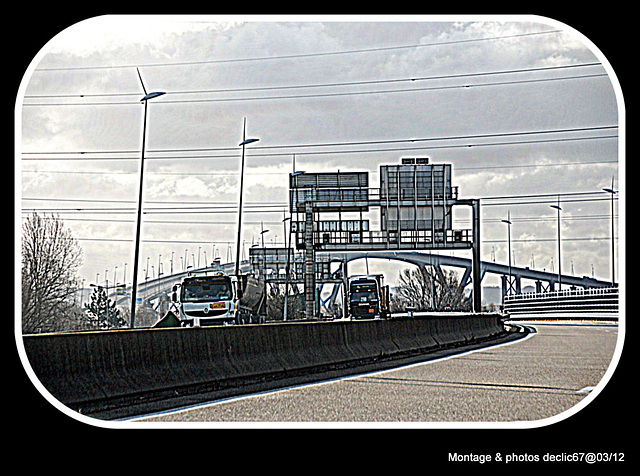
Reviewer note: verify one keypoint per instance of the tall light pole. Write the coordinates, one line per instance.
(508, 222)
(134, 285)
(613, 251)
(557, 207)
(244, 142)
(262, 232)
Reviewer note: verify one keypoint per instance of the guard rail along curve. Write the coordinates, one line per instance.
(94, 372)
(601, 303)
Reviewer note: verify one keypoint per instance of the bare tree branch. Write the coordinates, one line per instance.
(50, 262)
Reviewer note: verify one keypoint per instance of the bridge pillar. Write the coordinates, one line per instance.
(345, 288)
(511, 285)
(475, 251)
(309, 265)
(503, 280)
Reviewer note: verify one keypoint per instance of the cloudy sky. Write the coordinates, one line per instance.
(524, 108)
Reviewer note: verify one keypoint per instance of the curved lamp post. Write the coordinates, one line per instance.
(613, 250)
(557, 207)
(243, 143)
(134, 285)
(508, 222)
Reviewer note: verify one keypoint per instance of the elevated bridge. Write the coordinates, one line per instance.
(545, 281)
(511, 276)
(156, 291)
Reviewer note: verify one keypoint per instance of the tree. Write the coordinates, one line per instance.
(275, 304)
(427, 288)
(413, 290)
(50, 262)
(102, 312)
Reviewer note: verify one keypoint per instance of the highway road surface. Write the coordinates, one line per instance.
(530, 380)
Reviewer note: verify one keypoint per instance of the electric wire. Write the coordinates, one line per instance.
(300, 55)
(566, 197)
(325, 85)
(325, 95)
(149, 153)
(206, 174)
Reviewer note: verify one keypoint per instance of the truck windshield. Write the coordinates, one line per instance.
(364, 292)
(206, 289)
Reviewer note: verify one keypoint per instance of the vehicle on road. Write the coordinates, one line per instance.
(212, 297)
(368, 297)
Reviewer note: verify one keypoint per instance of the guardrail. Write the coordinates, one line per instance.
(111, 372)
(595, 302)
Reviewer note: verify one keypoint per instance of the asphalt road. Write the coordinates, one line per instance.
(530, 380)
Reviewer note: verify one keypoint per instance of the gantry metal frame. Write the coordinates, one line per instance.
(415, 202)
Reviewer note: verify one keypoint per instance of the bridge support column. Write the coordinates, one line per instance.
(505, 289)
(309, 265)
(345, 288)
(511, 284)
(475, 250)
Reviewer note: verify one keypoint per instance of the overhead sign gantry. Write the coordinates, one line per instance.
(414, 202)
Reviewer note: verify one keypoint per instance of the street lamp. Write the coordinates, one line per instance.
(244, 142)
(262, 232)
(613, 252)
(557, 207)
(508, 222)
(134, 285)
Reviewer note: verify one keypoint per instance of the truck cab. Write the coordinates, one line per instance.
(207, 297)
(368, 297)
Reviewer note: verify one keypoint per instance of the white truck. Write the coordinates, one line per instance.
(212, 297)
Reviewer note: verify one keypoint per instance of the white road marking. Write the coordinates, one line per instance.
(586, 390)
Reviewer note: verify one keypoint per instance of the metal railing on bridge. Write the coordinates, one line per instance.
(594, 302)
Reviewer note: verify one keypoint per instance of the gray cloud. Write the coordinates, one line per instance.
(435, 113)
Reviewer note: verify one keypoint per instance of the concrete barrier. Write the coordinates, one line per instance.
(93, 370)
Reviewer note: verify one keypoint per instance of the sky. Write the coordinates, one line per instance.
(524, 108)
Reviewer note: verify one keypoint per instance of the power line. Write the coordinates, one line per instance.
(278, 207)
(219, 204)
(525, 219)
(327, 95)
(566, 198)
(540, 195)
(326, 85)
(480, 167)
(557, 164)
(156, 210)
(528, 240)
(548, 201)
(168, 222)
(361, 151)
(260, 204)
(530, 219)
(128, 240)
(334, 144)
(300, 55)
